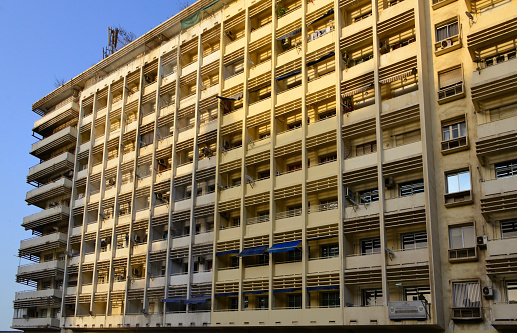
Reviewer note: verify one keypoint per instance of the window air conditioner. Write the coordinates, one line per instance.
(137, 238)
(488, 291)
(446, 43)
(135, 271)
(349, 194)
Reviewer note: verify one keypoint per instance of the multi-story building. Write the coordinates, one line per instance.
(258, 163)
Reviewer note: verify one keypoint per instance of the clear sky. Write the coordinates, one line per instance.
(42, 40)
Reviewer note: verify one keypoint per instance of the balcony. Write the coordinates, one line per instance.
(44, 243)
(40, 270)
(501, 247)
(33, 294)
(59, 164)
(64, 112)
(498, 186)
(36, 323)
(38, 196)
(51, 215)
(504, 316)
(55, 141)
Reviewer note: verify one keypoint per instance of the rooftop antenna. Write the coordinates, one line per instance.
(112, 43)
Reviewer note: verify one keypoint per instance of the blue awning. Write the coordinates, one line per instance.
(284, 247)
(323, 288)
(330, 12)
(293, 73)
(286, 290)
(172, 300)
(225, 294)
(197, 300)
(291, 34)
(226, 252)
(253, 251)
(255, 292)
(330, 55)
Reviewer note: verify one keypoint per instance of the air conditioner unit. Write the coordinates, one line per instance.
(488, 291)
(53, 204)
(384, 47)
(226, 145)
(481, 241)
(349, 194)
(345, 57)
(389, 182)
(144, 311)
(135, 271)
(137, 238)
(407, 310)
(446, 43)
(161, 161)
(159, 196)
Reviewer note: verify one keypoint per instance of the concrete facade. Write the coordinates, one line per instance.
(309, 165)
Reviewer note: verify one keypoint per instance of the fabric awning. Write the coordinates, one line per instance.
(284, 247)
(172, 300)
(235, 97)
(197, 300)
(330, 12)
(357, 91)
(286, 290)
(253, 251)
(291, 34)
(293, 73)
(323, 288)
(255, 292)
(226, 252)
(398, 76)
(226, 294)
(193, 19)
(331, 54)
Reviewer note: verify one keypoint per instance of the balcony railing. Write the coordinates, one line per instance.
(452, 91)
(258, 219)
(289, 213)
(323, 207)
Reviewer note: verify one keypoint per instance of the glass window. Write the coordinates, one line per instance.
(263, 302)
(234, 262)
(328, 158)
(236, 221)
(508, 228)
(368, 196)
(371, 297)
(412, 187)
(330, 251)
(295, 255)
(414, 240)
(506, 169)
(458, 181)
(462, 237)
(294, 301)
(328, 204)
(511, 291)
(234, 303)
(446, 31)
(466, 295)
(370, 246)
(454, 131)
(330, 300)
(367, 148)
(263, 259)
(414, 293)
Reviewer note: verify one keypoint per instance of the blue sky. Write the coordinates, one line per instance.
(41, 41)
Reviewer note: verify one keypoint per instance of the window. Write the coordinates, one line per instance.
(506, 169)
(236, 221)
(263, 259)
(511, 291)
(450, 82)
(462, 237)
(234, 303)
(454, 131)
(246, 302)
(508, 228)
(234, 262)
(294, 167)
(370, 246)
(48, 257)
(328, 204)
(368, 196)
(263, 302)
(263, 174)
(446, 31)
(466, 295)
(414, 240)
(328, 159)
(371, 297)
(412, 187)
(330, 300)
(330, 251)
(367, 148)
(414, 293)
(458, 181)
(295, 255)
(294, 301)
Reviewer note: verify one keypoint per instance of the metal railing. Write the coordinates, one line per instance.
(258, 219)
(324, 207)
(451, 91)
(289, 213)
